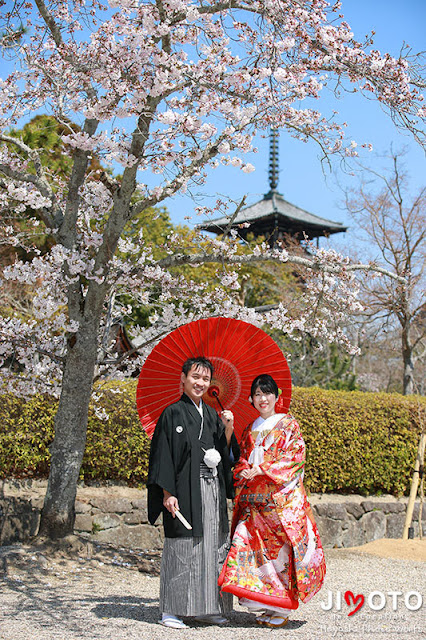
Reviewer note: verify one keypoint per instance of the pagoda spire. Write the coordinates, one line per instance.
(273, 159)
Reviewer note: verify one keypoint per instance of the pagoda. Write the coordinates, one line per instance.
(273, 217)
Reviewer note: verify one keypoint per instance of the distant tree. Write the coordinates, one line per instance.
(393, 223)
(327, 367)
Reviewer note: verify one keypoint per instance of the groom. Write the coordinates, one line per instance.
(190, 472)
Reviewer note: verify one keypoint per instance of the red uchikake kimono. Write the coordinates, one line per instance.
(276, 556)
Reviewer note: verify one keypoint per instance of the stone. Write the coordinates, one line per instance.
(416, 512)
(383, 506)
(136, 537)
(37, 503)
(83, 522)
(121, 516)
(330, 531)
(136, 517)
(113, 505)
(103, 521)
(354, 509)
(82, 507)
(415, 526)
(374, 525)
(142, 512)
(4, 569)
(353, 534)
(394, 507)
(370, 505)
(14, 506)
(395, 525)
(329, 510)
(139, 503)
(19, 527)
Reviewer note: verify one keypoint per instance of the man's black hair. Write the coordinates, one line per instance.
(265, 383)
(200, 362)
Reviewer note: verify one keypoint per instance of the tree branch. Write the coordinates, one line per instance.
(182, 259)
(234, 215)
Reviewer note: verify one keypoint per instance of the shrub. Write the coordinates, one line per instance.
(359, 442)
(356, 442)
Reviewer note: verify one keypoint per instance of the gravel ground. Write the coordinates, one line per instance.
(83, 592)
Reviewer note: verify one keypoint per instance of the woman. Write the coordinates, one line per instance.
(276, 557)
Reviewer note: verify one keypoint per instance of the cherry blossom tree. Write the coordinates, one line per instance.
(393, 222)
(162, 91)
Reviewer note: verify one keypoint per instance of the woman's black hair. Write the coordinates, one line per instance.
(265, 383)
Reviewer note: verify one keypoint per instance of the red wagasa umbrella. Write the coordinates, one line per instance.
(239, 352)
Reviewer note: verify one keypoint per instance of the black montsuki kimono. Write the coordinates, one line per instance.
(174, 465)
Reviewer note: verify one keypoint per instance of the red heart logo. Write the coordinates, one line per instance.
(351, 599)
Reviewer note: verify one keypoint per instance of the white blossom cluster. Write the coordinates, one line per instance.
(163, 88)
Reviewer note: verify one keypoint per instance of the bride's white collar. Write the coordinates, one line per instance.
(265, 427)
(269, 423)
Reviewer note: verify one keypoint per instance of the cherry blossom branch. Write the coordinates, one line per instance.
(60, 44)
(28, 178)
(209, 152)
(67, 224)
(194, 259)
(32, 343)
(234, 215)
(163, 16)
(50, 23)
(125, 356)
(41, 182)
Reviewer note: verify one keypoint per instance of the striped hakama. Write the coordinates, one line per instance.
(190, 567)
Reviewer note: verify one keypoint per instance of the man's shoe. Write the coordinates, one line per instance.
(212, 619)
(171, 621)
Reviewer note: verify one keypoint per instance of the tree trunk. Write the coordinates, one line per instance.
(57, 519)
(407, 356)
(408, 379)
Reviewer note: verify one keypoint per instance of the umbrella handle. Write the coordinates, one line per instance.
(215, 394)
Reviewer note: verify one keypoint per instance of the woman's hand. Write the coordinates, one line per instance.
(170, 502)
(228, 420)
(249, 474)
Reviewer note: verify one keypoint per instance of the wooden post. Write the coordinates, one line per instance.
(422, 497)
(418, 472)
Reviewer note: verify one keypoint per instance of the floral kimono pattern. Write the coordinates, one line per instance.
(276, 557)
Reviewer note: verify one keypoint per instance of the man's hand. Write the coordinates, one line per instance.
(170, 502)
(249, 474)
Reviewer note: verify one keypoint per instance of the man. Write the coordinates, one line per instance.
(186, 475)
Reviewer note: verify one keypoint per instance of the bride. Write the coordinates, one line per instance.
(276, 557)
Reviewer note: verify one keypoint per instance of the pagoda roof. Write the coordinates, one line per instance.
(274, 209)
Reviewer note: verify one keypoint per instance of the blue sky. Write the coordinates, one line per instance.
(303, 181)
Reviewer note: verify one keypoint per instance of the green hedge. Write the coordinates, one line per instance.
(356, 442)
(359, 442)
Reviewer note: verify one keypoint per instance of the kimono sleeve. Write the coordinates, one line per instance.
(229, 455)
(161, 473)
(232, 452)
(284, 461)
(242, 462)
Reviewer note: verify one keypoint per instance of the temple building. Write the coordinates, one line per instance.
(273, 217)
